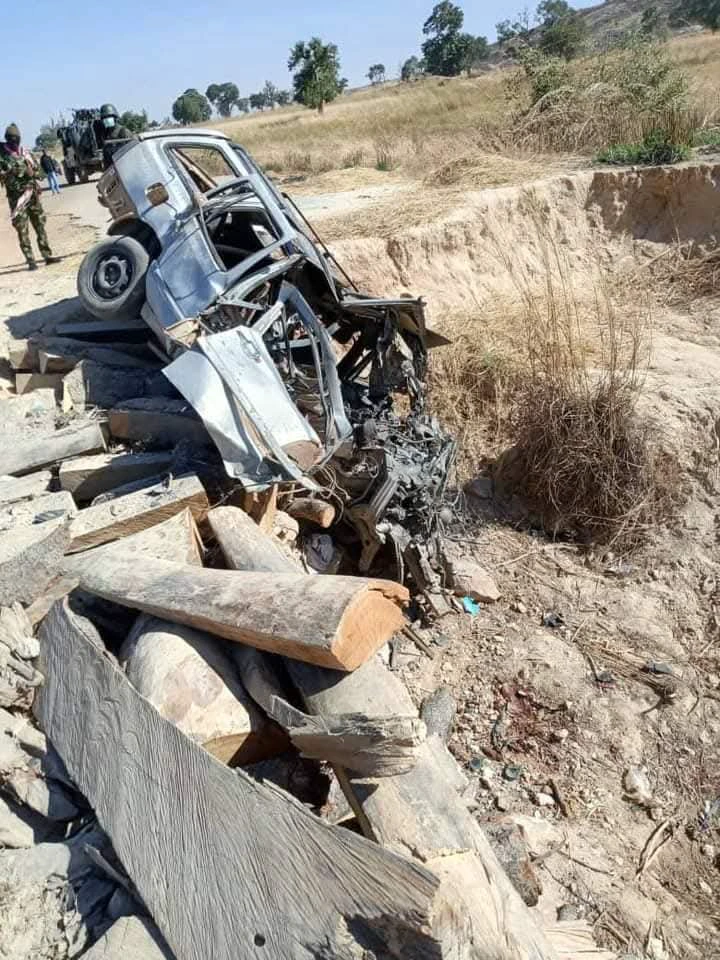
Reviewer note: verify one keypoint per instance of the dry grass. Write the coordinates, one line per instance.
(562, 397)
(686, 271)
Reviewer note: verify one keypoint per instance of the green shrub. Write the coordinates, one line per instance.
(656, 148)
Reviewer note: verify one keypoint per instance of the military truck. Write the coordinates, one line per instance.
(82, 145)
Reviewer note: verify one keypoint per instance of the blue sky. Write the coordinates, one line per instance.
(143, 53)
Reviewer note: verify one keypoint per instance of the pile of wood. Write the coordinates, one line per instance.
(176, 655)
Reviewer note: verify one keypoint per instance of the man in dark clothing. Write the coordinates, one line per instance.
(49, 169)
(20, 175)
(111, 131)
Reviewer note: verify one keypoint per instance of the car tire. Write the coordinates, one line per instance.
(84, 175)
(111, 278)
(70, 175)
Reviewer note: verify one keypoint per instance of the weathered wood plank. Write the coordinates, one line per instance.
(88, 477)
(233, 866)
(130, 938)
(92, 384)
(136, 511)
(28, 382)
(23, 456)
(162, 423)
(13, 489)
(48, 506)
(30, 559)
(316, 511)
(419, 812)
(337, 622)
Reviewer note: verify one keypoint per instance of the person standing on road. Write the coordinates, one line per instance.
(20, 175)
(49, 169)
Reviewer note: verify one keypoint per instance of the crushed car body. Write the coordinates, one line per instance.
(293, 370)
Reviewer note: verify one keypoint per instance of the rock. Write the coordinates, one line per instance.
(519, 607)
(502, 802)
(45, 797)
(480, 487)
(637, 785)
(655, 949)
(569, 911)
(512, 772)
(708, 850)
(544, 800)
(509, 846)
(469, 579)
(438, 711)
(14, 832)
(706, 888)
(695, 929)
(560, 736)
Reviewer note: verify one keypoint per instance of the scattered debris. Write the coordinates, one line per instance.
(471, 606)
(438, 711)
(636, 785)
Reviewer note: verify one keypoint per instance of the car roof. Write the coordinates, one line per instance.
(183, 132)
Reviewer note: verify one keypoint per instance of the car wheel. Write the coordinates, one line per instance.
(84, 175)
(70, 175)
(111, 279)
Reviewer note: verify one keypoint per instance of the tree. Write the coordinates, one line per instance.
(257, 101)
(243, 104)
(223, 97)
(135, 122)
(511, 33)
(376, 74)
(411, 69)
(191, 107)
(316, 69)
(652, 23)
(447, 50)
(47, 138)
(476, 50)
(704, 12)
(283, 98)
(270, 92)
(563, 31)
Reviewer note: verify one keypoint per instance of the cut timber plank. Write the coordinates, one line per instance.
(27, 382)
(13, 489)
(23, 456)
(92, 384)
(136, 511)
(30, 559)
(130, 938)
(332, 621)
(88, 477)
(233, 866)
(191, 680)
(104, 330)
(419, 811)
(163, 423)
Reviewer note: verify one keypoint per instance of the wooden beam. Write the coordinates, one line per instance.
(136, 511)
(46, 506)
(332, 621)
(23, 456)
(235, 869)
(13, 489)
(316, 511)
(88, 477)
(28, 382)
(30, 559)
(92, 384)
(162, 423)
(420, 811)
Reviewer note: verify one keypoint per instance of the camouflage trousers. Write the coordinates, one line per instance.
(35, 215)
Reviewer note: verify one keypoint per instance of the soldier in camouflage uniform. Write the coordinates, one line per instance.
(20, 175)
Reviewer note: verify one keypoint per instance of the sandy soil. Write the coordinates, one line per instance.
(551, 719)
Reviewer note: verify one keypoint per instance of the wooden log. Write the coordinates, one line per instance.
(23, 456)
(30, 559)
(337, 622)
(191, 681)
(27, 382)
(13, 489)
(316, 511)
(237, 866)
(130, 938)
(88, 477)
(48, 506)
(420, 811)
(162, 423)
(136, 511)
(380, 748)
(92, 384)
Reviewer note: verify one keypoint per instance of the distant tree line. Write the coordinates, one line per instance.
(448, 50)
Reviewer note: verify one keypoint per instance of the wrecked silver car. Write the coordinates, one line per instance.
(292, 369)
